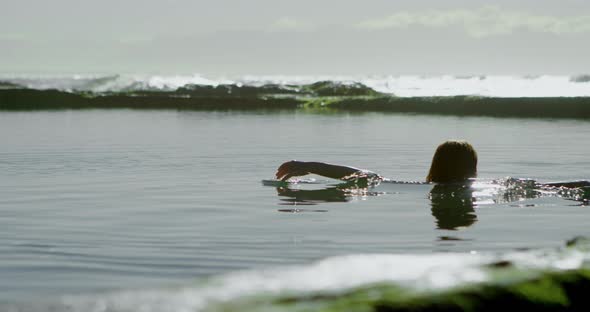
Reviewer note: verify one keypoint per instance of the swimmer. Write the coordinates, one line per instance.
(454, 161)
(453, 167)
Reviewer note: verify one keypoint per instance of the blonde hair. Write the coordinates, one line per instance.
(453, 161)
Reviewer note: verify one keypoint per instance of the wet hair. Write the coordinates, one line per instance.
(453, 161)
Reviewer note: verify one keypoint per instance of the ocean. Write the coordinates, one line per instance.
(108, 205)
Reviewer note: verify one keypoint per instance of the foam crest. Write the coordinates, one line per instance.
(415, 273)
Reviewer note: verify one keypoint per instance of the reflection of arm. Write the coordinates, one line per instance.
(332, 194)
(572, 184)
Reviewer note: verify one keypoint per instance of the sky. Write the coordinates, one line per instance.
(272, 37)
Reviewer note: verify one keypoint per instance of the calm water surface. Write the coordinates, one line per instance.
(98, 200)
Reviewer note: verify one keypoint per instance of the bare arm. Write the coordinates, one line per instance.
(298, 168)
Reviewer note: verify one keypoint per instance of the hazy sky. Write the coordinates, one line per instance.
(239, 37)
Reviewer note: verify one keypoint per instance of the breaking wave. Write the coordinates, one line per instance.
(402, 86)
(534, 279)
(543, 96)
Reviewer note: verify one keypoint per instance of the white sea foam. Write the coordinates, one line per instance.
(415, 272)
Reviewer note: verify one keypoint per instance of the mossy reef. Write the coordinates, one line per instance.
(563, 291)
(319, 96)
(509, 284)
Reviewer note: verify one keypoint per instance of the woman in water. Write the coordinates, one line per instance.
(453, 165)
(454, 161)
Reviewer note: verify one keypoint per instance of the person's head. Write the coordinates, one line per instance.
(453, 161)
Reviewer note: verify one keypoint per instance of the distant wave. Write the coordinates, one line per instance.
(319, 96)
(555, 96)
(401, 86)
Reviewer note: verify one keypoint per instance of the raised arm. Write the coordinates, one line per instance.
(299, 168)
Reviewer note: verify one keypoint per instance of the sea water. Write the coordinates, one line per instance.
(99, 202)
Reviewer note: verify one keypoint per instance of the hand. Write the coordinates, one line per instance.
(291, 168)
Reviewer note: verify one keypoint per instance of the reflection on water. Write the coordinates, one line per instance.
(452, 206)
(339, 193)
(312, 197)
(513, 190)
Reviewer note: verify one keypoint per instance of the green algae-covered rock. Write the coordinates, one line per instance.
(514, 282)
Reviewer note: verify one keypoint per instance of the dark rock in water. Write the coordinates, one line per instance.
(553, 107)
(578, 241)
(500, 264)
(9, 85)
(449, 238)
(580, 78)
(27, 99)
(332, 88)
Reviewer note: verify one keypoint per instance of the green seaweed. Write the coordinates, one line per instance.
(550, 291)
(508, 287)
